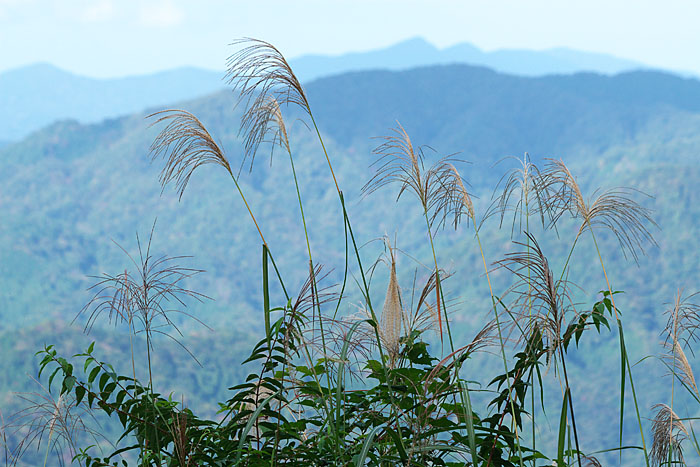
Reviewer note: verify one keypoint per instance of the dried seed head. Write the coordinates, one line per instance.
(612, 209)
(264, 80)
(524, 192)
(59, 422)
(541, 302)
(392, 318)
(680, 365)
(146, 298)
(590, 461)
(452, 198)
(262, 123)
(683, 319)
(259, 71)
(185, 144)
(398, 162)
(669, 432)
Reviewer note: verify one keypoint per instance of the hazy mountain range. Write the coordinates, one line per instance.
(634, 129)
(34, 96)
(417, 52)
(71, 190)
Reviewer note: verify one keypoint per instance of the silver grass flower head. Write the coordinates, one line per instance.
(392, 315)
(452, 198)
(681, 367)
(185, 144)
(613, 210)
(263, 122)
(258, 70)
(590, 461)
(523, 191)
(683, 318)
(541, 302)
(265, 82)
(668, 434)
(398, 162)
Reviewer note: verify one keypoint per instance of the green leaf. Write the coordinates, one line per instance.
(398, 442)
(93, 374)
(266, 293)
(623, 359)
(103, 381)
(562, 430)
(468, 417)
(68, 384)
(365, 447)
(79, 394)
(52, 377)
(251, 421)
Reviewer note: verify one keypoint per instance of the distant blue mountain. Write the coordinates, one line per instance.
(418, 52)
(37, 95)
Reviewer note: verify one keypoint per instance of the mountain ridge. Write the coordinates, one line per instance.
(35, 95)
(418, 52)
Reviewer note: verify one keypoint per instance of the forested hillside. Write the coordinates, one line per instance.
(72, 194)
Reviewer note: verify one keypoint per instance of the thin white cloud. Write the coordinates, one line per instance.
(6, 7)
(98, 11)
(161, 14)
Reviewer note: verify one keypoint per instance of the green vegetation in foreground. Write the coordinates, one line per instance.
(411, 403)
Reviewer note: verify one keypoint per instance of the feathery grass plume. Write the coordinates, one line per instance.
(263, 122)
(144, 297)
(680, 329)
(265, 82)
(679, 364)
(669, 432)
(310, 295)
(392, 319)
(185, 144)
(306, 332)
(453, 199)
(541, 303)
(420, 314)
(423, 315)
(259, 71)
(486, 337)
(58, 422)
(683, 319)
(613, 209)
(590, 461)
(398, 162)
(523, 190)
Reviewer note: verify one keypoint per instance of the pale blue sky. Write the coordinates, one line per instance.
(108, 38)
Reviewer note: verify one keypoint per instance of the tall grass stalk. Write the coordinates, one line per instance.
(455, 200)
(617, 212)
(526, 186)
